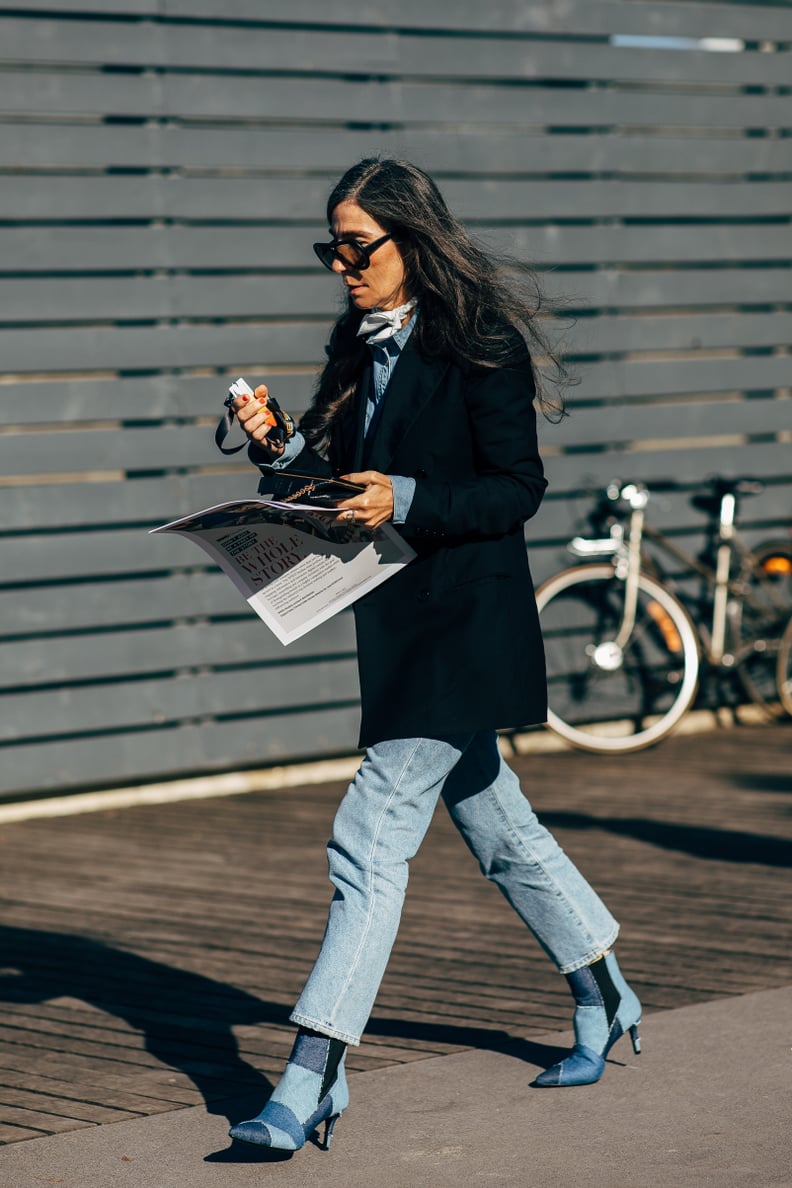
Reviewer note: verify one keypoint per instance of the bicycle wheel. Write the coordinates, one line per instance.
(755, 628)
(784, 670)
(603, 698)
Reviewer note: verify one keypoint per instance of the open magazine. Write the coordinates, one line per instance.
(293, 562)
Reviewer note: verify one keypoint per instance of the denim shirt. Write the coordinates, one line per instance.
(385, 356)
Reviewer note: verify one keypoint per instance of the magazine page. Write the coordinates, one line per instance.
(293, 563)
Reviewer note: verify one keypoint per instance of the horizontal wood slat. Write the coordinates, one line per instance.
(168, 447)
(158, 398)
(659, 378)
(254, 150)
(685, 421)
(144, 298)
(164, 649)
(119, 758)
(127, 552)
(150, 398)
(674, 332)
(564, 513)
(205, 595)
(254, 347)
(224, 199)
(144, 449)
(594, 17)
(124, 551)
(135, 348)
(203, 96)
(765, 460)
(135, 601)
(591, 17)
(98, 7)
(51, 300)
(150, 45)
(150, 703)
(52, 249)
(209, 594)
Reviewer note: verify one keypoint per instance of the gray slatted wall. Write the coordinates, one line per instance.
(165, 164)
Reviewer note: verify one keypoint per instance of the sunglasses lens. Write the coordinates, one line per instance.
(350, 255)
(325, 253)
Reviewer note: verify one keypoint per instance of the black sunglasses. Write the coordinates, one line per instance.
(351, 253)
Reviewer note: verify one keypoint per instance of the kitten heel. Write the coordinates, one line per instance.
(329, 1128)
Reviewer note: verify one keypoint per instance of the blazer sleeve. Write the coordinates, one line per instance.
(308, 461)
(509, 481)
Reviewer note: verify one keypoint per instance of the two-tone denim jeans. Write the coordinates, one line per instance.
(380, 825)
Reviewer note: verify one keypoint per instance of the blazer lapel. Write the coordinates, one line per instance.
(347, 453)
(412, 385)
(364, 386)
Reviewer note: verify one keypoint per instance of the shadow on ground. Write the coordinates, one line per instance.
(186, 1019)
(726, 845)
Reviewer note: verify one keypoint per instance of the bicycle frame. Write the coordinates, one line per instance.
(629, 557)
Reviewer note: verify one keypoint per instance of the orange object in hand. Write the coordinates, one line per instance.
(269, 418)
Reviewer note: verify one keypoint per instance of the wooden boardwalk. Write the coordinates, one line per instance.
(150, 955)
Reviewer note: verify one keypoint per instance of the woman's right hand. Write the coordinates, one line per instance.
(257, 421)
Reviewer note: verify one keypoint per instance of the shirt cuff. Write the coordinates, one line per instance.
(403, 494)
(293, 448)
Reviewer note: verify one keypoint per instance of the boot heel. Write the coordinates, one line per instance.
(329, 1128)
(636, 1039)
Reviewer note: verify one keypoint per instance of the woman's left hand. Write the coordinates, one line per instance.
(374, 505)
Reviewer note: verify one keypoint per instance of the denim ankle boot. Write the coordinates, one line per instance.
(606, 1009)
(312, 1090)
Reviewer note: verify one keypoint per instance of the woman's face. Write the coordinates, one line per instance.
(383, 283)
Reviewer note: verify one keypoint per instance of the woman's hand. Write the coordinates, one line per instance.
(257, 421)
(371, 507)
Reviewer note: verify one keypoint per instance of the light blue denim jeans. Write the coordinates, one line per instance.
(380, 825)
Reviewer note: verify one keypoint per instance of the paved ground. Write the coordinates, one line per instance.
(150, 954)
(707, 1103)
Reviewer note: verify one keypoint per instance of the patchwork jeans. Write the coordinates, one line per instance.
(380, 825)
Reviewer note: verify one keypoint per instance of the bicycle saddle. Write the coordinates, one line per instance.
(710, 501)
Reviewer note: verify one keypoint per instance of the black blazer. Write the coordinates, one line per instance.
(451, 643)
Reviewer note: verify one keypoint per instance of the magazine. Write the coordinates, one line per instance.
(294, 563)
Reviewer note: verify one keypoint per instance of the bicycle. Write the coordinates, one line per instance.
(784, 669)
(625, 645)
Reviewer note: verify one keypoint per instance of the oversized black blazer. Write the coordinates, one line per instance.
(451, 643)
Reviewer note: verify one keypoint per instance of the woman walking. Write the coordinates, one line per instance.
(427, 401)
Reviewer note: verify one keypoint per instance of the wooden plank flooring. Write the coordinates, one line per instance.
(150, 956)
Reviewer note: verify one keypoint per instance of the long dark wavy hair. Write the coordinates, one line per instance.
(468, 311)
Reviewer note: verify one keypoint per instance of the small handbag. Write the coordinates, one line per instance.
(293, 487)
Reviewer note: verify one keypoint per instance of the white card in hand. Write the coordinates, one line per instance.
(241, 388)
